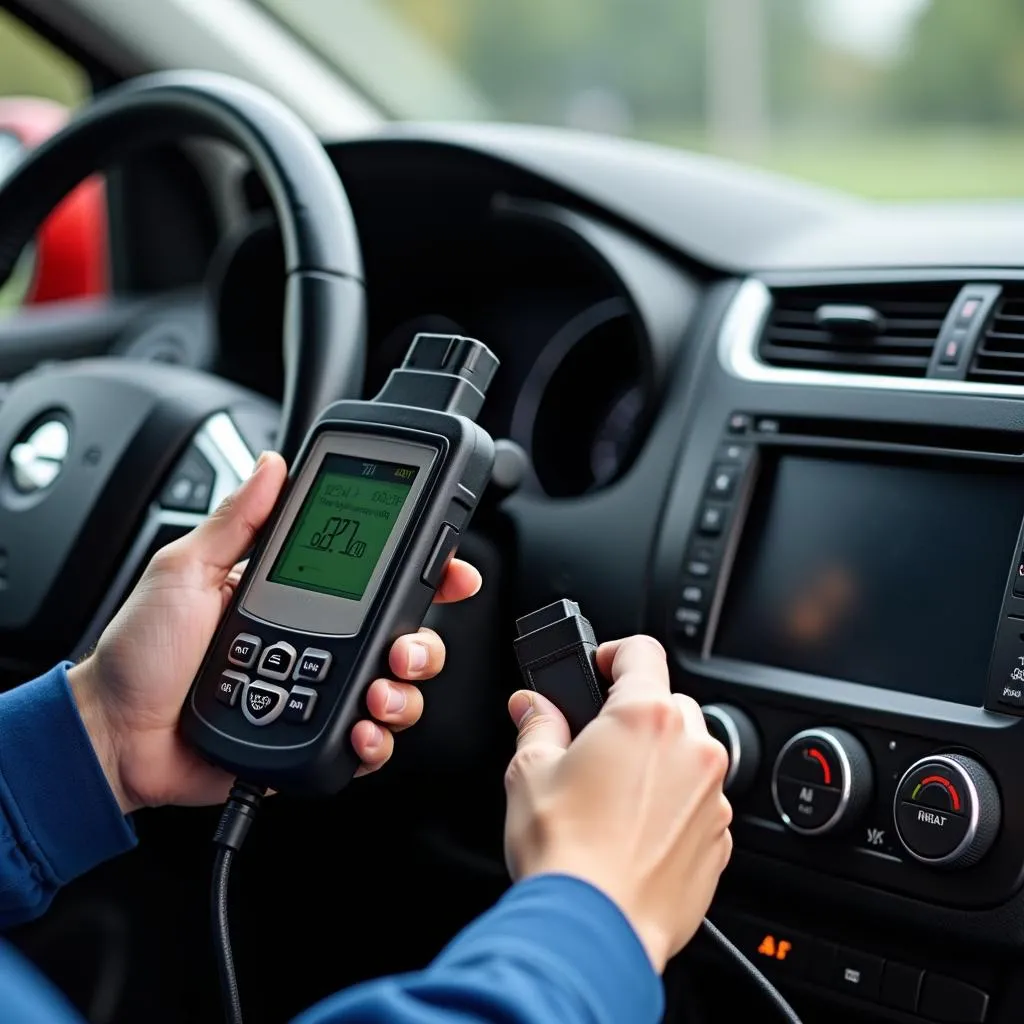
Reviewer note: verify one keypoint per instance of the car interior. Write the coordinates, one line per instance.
(775, 426)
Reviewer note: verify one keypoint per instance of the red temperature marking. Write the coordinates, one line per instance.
(947, 785)
(817, 755)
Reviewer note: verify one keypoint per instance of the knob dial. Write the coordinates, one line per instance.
(736, 731)
(822, 781)
(947, 811)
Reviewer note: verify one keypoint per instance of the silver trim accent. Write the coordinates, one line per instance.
(734, 750)
(972, 820)
(276, 673)
(844, 767)
(276, 713)
(222, 445)
(740, 333)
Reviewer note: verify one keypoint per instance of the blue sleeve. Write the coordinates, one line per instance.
(554, 948)
(58, 817)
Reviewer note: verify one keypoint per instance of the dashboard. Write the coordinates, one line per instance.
(778, 428)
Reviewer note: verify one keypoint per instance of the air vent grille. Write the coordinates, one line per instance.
(897, 341)
(999, 357)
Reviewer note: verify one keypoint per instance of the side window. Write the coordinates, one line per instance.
(39, 87)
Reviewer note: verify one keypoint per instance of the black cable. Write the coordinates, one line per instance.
(238, 815)
(763, 985)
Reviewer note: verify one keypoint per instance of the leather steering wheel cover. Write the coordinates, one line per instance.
(324, 326)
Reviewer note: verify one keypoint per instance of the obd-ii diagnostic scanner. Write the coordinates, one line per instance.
(350, 560)
(378, 498)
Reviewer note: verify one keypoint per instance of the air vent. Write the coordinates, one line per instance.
(888, 329)
(999, 357)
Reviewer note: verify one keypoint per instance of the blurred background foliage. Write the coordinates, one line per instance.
(886, 98)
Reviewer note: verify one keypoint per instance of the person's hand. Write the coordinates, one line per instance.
(634, 806)
(129, 691)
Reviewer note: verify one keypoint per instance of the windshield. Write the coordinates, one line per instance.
(886, 98)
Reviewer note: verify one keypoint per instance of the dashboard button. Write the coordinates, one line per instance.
(698, 568)
(947, 810)
(736, 731)
(857, 974)
(951, 1001)
(739, 423)
(952, 347)
(901, 986)
(805, 805)
(822, 779)
(712, 520)
(244, 649)
(313, 665)
(277, 661)
(930, 834)
(229, 686)
(692, 594)
(262, 702)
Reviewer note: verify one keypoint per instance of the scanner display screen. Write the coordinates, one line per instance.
(343, 526)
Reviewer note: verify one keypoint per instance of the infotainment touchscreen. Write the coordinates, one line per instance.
(874, 572)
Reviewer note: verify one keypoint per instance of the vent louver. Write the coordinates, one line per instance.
(999, 357)
(881, 329)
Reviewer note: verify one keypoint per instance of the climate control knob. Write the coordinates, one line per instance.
(947, 811)
(822, 781)
(736, 731)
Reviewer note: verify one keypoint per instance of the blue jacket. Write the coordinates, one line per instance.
(553, 949)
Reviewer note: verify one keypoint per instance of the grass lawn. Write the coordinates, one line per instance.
(915, 165)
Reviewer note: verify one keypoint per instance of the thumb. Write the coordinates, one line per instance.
(539, 722)
(223, 539)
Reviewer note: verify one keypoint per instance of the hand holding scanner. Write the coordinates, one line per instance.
(351, 558)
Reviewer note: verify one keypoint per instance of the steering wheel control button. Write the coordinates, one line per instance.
(693, 594)
(262, 703)
(822, 780)
(732, 452)
(690, 623)
(722, 482)
(301, 702)
(313, 665)
(277, 661)
(190, 486)
(712, 520)
(440, 555)
(857, 974)
(229, 686)
(947, 810)
(244, 650)
(736, 731)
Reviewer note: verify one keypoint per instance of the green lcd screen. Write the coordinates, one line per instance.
(343, 526)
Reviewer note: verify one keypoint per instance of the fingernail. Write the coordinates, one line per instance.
(418, 657)
(520, 707)
(396, 700)
(375, 737)
(259, 462)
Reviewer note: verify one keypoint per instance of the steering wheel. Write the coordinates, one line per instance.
(104, 458)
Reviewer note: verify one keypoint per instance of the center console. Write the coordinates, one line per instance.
(841, 584)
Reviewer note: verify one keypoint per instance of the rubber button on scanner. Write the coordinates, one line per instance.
(277, 661)
(301, 702)
(313, 665)
(440, 555)
(244, 649)
(229, 686)
(263, 702)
